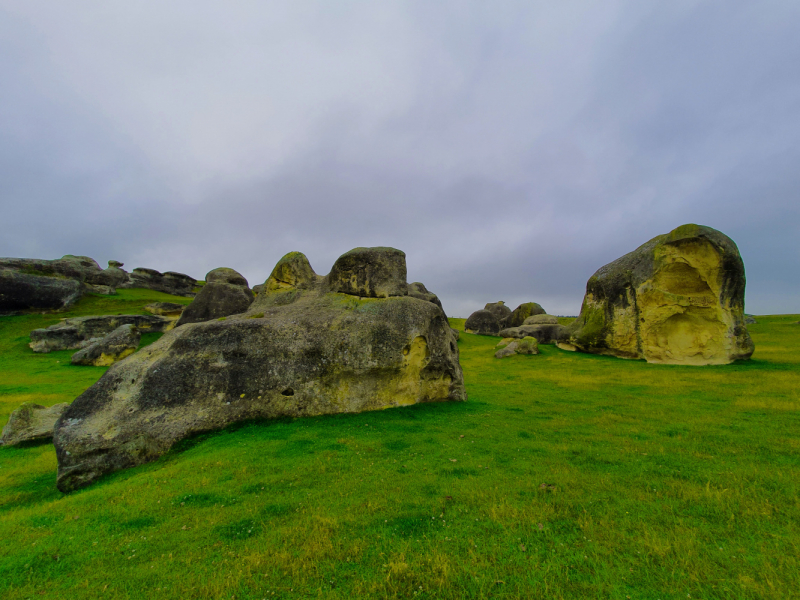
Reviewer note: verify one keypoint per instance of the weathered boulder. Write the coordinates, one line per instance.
(678, 298)
(370, 273)
(526, 345)
(171, 310)
(20, 291)
(522, 312)
(103, 290)
(482, 322)
(114, 276)
(170, 282)
(500, 311)
(31, 422)
(292, 272)
(115, 346)
(79, 332)
(456, 333)
(418, 290)
(295, 352)
(545, 333)
(541, 319)
(225, 293)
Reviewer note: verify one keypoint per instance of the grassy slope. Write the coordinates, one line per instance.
(660, 482)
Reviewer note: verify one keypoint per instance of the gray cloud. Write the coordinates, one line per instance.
(510, 150)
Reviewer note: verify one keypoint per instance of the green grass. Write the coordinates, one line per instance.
(564, 476)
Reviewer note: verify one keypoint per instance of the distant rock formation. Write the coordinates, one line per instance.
(545, 333)
(678, 299)
(79, 332)
(500, 311)
(225, 293)
(171, 310)
(309, 345)
(523, 312)
(170, 282)
(115, 346)
(20, 291)
(31, 422)
(482, 322)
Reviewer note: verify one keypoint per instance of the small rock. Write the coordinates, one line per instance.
(31, 422)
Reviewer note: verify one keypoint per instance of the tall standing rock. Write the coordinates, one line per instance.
(297, 351)
(678, 298)
(225, 293)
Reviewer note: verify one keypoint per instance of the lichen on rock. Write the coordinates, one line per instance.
(679, 299)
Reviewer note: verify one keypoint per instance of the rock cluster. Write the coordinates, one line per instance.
(497, 319)
(348, 342)
(678, 298)
(510, 347)
(31, 422)
(80, 332)
(170, 282)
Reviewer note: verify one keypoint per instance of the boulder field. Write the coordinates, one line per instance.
(351, 341)
(678, 299)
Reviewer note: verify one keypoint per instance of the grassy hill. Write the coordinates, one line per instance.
(564, 476)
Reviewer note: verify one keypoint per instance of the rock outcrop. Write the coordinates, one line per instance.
(171, 310)
(678, 299)
(115, 346)
(297, 351)
(482, 322)
(79, 332)
(541, 319)
(500, 311)
(522, 312)
(526, 345)
(31, 422)
(225, 293)
(21, 291)
(170, 282)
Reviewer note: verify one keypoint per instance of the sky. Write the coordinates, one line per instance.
(510, 149)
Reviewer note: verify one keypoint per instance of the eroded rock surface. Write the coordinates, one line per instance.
(545, 333)
(523, 312)
(418, 290)
(297, 351)
(79, 332)
(225, 293)
(171, 310)
(370, 273)
(115, 346)
(31, 422)
(500, 311)
(526, 345)
(678, 298)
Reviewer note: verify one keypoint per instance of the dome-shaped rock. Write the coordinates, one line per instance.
(370, 273)
(500, 311)
(225, 293)
(522, 312)
(482, 322)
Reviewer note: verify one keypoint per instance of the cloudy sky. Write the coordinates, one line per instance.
(509, 148)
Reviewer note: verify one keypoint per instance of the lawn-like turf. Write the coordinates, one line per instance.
(564, 476)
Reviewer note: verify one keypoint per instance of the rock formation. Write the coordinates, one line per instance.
(170, 282)
(31, 422)
(418, 290)
(522, 312)
(541, 319)
(79, 332)
(310, 345)
(225, 293)
(510, 347)
(482, 322)
(118, 344)
(171, 310)
(20, 291)
(500, 311)
(545, 333)
(678, 298)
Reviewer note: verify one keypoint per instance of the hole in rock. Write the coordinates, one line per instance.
(287, 392)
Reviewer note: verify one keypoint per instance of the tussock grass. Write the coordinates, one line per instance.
(564, 476)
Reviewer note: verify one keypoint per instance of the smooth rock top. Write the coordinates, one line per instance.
(293, 353)
(679, 298)
(226, 275)
(522, 312)
(482, 322)
(370, 273)
(293, 272)
(500, 311)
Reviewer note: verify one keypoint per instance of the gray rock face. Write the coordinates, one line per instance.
(225, 293)
(678, 299)
(523, 312)
(21, 291)
(296, 352)
(418, 290)
(79, 332)
(170, 282)
(118, 344)
(31, 422)
(114, 276)
(482, 322)
(171, 310)
(370, 273)
(545, 333)
(541, 320)
(526, 345)
(500, 311)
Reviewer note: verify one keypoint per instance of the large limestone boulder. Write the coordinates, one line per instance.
(225, 293)
(678, 299)
(295, 352)
(20, 291)
(523, 312)
(500, 311)
(31, 422)
(370, 273)
(79, 332)
(118, 344)
(482, 322)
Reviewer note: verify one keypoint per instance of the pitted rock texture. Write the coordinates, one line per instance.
(79, 332)
(115, 346)
(522, 312)
(678, 299)
(31, 422)
(482, 322)
(370, 273)
(225, 293)
(295, 352)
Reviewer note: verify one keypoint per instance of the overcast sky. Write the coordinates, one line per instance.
(509, 148)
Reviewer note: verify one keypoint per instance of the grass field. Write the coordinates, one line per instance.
(564, 476)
